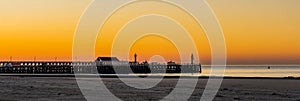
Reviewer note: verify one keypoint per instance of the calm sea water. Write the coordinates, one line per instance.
(255, 71)
(246, 71)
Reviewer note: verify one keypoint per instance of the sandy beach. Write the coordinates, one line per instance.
(65, 88)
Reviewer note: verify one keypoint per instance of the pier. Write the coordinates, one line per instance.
(43, 67)
(102, 65)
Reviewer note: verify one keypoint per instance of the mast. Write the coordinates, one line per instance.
(192, 59)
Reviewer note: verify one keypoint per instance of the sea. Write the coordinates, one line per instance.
(244, 71)
(252, 71)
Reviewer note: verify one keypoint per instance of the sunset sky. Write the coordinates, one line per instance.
(256, 31)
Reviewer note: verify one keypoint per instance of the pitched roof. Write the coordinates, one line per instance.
(107, 59)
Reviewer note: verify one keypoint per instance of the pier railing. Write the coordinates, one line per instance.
(91, 67)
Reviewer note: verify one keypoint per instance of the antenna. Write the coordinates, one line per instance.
(192, 58)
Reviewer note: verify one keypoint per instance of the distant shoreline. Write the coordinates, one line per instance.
(133, 76)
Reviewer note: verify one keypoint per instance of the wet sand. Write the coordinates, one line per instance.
(66, 88)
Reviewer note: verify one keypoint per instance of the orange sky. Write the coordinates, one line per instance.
(256, 31)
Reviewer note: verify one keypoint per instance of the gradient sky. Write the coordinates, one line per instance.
(256, 31)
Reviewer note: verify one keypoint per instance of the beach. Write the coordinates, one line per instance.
(66, 88)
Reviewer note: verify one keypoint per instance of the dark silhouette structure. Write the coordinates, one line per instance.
(135, 58)
(107, 59)
(192, 59)
(102, 65)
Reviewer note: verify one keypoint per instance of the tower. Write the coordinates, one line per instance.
(192, 59)
(135, 58)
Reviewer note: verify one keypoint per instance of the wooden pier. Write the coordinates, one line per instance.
(43, 67)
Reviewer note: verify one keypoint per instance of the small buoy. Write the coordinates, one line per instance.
(269, 67)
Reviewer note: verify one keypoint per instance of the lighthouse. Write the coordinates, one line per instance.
(135, 58)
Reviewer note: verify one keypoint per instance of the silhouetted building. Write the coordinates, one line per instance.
(106, 60)
(171, 63)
